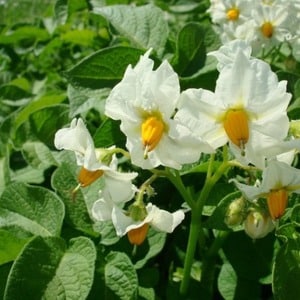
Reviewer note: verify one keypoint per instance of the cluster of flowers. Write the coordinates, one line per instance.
(262, 23)
(167, 127)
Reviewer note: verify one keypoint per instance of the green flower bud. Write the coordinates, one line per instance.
(235, 212)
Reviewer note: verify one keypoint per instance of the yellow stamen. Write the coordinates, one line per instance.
(267, 29)
(152, 131)
(87, 177)
(233, 14)
(277, 201)
(138, 235)
(237, 128)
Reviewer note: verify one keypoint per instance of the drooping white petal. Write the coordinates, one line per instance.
(102, 210)
(163, 220)
(119, 185)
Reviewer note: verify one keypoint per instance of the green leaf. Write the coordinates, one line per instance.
(28, 175)
(4, 173)
(145, 26)
(120, 276)
(146, 293)
(190, 55)
(10, 246)
(82, 37)
(34, 210)
(47, 269)
(61, 11)
(103, 68)
(250, 260)
(84, 99)
(155, 243)
(28, 33)
(43, 102)
(38, 155)
(13, 92)
(64, 180)
(286, 272)
(46, 122)
(227, 282)
(109, 134)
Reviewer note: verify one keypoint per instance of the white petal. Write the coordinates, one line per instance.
(102, 210)
(122, 223)
(163, 220)
(120, 186)
(249, 192)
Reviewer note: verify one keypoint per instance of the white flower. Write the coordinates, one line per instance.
(77, 138)
(248, 110)
(159, 219)
(278, 180)
(145, 102)
(107, 209)
(272, 25)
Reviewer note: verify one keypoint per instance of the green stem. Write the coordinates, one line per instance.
(196, 229)
(189, 257)
(175, 178)
(208, 267)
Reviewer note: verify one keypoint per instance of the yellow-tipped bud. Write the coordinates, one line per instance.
(236, 127)
(277, 201)
(152, 131)
(267, 29)
(233, 14)
(138, 235)
(87, 177)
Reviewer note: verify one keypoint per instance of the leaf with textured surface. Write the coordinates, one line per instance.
(56, 271)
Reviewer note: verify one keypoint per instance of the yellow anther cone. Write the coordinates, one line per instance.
(236, 127)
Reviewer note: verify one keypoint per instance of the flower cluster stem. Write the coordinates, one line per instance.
(196, 232)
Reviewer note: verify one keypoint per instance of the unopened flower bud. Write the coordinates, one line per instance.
(295, 128)
(235, 212)
(257, 224)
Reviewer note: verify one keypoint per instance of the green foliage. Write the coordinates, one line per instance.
(59, 60)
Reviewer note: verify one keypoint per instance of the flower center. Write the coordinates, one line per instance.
(267, 29)
(277, 201)
(152, 131)
(86, 177)
(233, 14)
(237, 128)
(138, 235)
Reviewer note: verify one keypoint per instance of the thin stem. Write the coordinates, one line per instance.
(143, 188)
(190, 251)
(177, 182)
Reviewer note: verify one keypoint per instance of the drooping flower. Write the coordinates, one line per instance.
(94, 162)
(136, 221)
(278, 181)
(145, 102)
(247, 109)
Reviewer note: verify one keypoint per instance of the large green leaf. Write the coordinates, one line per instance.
(286, 272)
(84, 99)
(120, 276)
(109, 134)
(145, 26)
(190, 55)
(103, 68)
(48, 269)
(34, 210)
